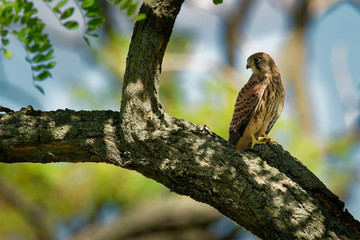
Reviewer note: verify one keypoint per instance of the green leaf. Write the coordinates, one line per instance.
(125, 4)
(43, 66)
(48, 56)
(87, 41)
(34, 48)
(28, 8)
(88, 3)
(16, 18)
(96, 23)
(39, 27)
(24, 19)
(132, 9)
(42, 58)
(56, 9)
(72, 25)
(18, 7)
(68, 12)
(94, 35)
(22, 34)
(31, 22)
(42, 76)
(5, 41)
(38, 58)
(4, 32)
(51, 65)
(216, 2)
(140, 17)
(38, 67)
(94, 11)
(7, 54)
(45, 46)
(40, 89)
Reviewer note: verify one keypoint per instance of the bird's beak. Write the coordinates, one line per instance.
(248, 65)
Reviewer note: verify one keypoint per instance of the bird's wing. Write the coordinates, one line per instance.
(281, 95)
(236, 132)
(246, 105)
(275, 118)
(271, 124)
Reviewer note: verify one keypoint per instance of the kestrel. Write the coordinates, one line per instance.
(259, 103)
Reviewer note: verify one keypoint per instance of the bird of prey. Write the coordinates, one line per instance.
(258, 104)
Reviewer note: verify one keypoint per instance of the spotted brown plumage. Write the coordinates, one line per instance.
(259, 103)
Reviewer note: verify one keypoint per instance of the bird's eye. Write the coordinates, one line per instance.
(256, 60)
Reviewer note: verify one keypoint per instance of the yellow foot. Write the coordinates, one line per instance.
(266, 137)
(256, 141)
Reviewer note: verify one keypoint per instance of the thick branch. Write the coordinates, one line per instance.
(274, 195)
(266, 190)
(60, 136)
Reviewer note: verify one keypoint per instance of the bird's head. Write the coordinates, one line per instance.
(261, 63)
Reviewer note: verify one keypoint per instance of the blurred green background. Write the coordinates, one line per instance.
(314, 43)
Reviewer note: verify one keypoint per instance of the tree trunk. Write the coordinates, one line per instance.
(265, 190)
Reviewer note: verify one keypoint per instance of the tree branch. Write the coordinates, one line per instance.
(59, 136)
(265, 190)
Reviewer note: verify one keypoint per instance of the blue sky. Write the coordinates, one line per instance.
(334, 47)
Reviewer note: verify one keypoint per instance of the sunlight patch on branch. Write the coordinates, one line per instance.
(60, 132)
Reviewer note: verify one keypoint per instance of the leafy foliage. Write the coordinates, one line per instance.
(30, 34)
(126, 5)
(19, 18)
(217, 2)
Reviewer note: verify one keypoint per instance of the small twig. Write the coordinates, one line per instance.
(5, 109)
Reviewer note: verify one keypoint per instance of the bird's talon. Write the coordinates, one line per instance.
(266, 139)
(260, 140)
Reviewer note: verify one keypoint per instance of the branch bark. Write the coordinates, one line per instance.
(265, 190)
